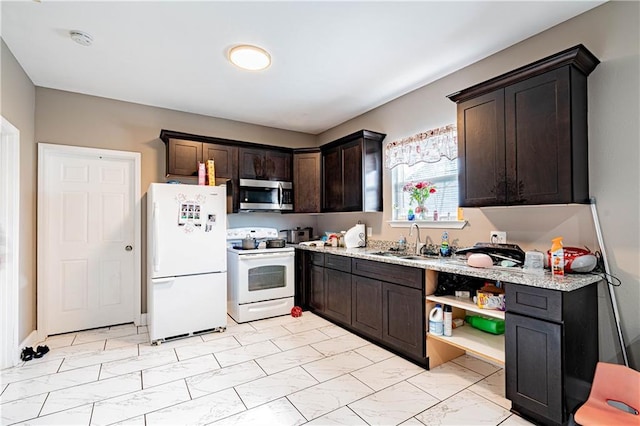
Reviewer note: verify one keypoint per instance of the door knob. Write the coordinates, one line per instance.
(128, 248)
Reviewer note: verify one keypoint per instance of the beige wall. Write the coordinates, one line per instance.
(609, 31)
(17, 94)
(75, 119)
(612, 33)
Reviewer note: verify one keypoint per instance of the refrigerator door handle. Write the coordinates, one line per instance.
(163, 280)
(156, 237)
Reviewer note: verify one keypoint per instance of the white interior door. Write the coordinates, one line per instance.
(88, 238)
(9, 243)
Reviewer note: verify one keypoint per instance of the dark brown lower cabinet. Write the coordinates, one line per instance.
(551, 350)
(534, 367)
(357, 294)
(316, 288)
(337, 286)
(302, 277)
(403, 318)
(366, 305)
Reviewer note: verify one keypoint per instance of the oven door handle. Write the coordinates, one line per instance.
(249, 257)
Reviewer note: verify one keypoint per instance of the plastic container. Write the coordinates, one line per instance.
(448, 320)
(201, 174)
(402, 243)
(436, 318)
(534, 262)
(490, 325)
(557, 257)
(444, 245)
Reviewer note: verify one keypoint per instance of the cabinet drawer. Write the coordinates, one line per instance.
(317, 258)
(341, 263)
(533, 301)
(403, 275)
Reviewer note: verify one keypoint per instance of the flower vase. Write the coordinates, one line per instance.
(422, 214)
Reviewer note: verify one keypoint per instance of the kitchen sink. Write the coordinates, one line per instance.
(401, 255)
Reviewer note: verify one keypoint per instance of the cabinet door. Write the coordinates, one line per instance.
(225, 157)
(226, 165)
(403, 319)
(278, 165)
(332, 180)
(337, 286)
(316, 293)
(306, 180)
(252, 165)
(533, 362)
(183, 157)
(302, 278)
(538, 139)
(481, 149)
(258, 163)
(352, 177)
(366, 305)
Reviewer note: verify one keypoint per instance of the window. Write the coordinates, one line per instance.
(443, 174)
(426, 157)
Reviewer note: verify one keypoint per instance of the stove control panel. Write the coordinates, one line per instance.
(258, 233)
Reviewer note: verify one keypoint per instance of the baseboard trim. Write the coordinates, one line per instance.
(143, 319)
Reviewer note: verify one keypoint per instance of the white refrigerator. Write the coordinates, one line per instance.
(186, 260)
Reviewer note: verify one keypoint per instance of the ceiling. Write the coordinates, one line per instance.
(332, 61)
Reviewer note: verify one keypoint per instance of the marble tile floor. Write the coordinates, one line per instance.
(278, 371)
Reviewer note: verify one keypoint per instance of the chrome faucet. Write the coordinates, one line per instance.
(419, 243)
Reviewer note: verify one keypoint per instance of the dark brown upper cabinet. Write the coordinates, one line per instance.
(522, 136)
(306, 180)
(352, 173)
(183, 157)
(185, 151)
(266, 164)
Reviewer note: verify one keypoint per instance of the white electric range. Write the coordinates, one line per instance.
(260, 281)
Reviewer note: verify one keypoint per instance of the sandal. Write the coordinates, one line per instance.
(27, 354)
(40, 351)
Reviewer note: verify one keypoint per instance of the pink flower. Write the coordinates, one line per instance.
(419, 191)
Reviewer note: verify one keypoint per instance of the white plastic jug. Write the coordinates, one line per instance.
(436, 319)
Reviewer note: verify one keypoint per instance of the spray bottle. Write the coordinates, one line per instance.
(557, 257)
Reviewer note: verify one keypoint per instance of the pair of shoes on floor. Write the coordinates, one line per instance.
(28, 353)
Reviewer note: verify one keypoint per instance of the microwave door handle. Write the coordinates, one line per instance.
(280, 194)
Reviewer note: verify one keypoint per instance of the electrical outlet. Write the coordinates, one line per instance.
(498, 237)
(369, 231)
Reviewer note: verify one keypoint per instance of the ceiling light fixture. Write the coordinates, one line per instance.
(249, 57)
(80, 37)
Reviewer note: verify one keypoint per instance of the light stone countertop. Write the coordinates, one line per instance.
(457, 265)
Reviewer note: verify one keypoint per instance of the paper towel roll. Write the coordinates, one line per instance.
(362, 241)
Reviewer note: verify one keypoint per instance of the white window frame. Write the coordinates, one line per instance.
(424, 148)
(442, 223)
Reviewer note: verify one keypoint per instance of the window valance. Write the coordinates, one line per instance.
(427, 146)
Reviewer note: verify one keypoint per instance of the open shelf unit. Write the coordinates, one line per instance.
(467, 338)
(466, 304)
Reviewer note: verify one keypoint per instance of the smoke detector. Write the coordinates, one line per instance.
(80, 37)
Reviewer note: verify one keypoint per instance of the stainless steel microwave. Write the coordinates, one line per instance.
(268, 195)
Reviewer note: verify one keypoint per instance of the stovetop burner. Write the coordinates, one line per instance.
(235, 236)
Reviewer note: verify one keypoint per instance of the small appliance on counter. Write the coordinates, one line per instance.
(297, 235)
